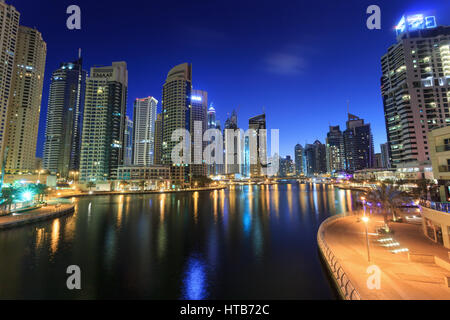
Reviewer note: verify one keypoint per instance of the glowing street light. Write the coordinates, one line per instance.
(366, 221)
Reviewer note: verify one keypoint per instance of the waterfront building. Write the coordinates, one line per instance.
(258, 159)
(25, 100)
(298, 156)
(358, 144)
(176, 110)
(9, 30)
(411, 174)
(199, 124)
(286, 167)
(439, 143)
(102, 147)
(144, 119)
(63, 127)
(385, 157)
(335, 150)
(415, 87)
(128, 142)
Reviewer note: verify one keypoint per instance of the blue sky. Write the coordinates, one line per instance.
(299, 60)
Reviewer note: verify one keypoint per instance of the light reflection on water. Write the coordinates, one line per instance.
(247, 242)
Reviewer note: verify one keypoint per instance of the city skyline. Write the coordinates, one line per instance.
(290, 66)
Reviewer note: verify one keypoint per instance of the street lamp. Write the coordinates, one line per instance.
(366, 220)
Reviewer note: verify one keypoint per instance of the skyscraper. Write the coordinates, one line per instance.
(415, 86)
(144, 118)
(258, 124)
(385, 161)
(358, 144)
(233, 147)
(158, 139)
(335, 150)
(298, 155)
(102, 147)
(64, 119)
(315, 158)
(9, 29)
(211, 118)
(211, 168)
(25, 102)
(176, 102)
(128, 142)
(199, 123)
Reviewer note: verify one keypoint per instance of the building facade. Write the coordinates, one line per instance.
(64, 119)
(415, 88)
(144, 119)
(9, 30)
(25, 102)
(128, 142)
(102, 146)
(158, 139)
(385, 157)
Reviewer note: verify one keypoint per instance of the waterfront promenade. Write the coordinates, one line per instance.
(35, 215)
(402, 275)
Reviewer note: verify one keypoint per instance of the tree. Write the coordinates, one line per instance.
(90, 185)
(388, 197)
(8, 196)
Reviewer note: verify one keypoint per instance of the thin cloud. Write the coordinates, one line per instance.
(283, 63)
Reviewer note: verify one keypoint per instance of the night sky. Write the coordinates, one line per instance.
(300, 60)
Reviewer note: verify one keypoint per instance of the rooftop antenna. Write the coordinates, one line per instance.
(348, 107)
(264, 109)
(79, 53)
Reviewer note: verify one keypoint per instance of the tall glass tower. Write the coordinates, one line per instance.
(64, 119)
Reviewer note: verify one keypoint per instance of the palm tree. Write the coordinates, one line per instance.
(388, 197)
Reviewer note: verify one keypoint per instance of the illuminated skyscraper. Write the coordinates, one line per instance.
(358, 144)
(64, 119)
(258, 124)
(176, 105)
(298, 156)
(25, 102)
(232, 147)
(128, 142)
(199, 123)
(158, 139)
(415, 86)
(9, 30)
(144, 118)
(102, 147)
(335, 150)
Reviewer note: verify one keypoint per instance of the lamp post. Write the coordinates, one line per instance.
(366, 220)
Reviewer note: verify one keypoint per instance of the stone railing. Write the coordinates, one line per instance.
(343, 283)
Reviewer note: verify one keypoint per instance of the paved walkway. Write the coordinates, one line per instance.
(400, 278)
(34, 215)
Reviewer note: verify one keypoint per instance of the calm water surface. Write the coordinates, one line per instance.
(248, 242)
